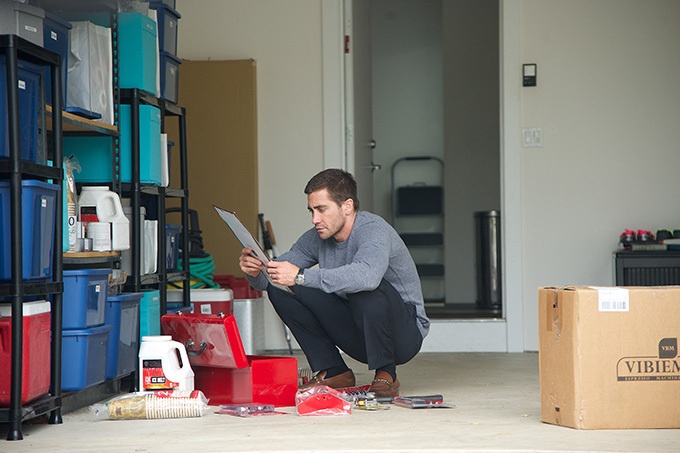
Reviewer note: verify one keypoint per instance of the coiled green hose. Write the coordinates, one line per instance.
(200, 269)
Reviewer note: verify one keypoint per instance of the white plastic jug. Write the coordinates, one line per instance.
(99, 204)
(164, 365)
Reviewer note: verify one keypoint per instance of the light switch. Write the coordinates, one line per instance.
(532, 137)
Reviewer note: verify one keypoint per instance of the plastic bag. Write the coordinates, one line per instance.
(248, 410)
(90, 80)
(152, 405)
(322, 400)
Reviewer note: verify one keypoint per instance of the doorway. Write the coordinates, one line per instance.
(433, 96)
(502, 334)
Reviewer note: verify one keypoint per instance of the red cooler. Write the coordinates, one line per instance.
(206, 301)
(223, 371)
(35, 380)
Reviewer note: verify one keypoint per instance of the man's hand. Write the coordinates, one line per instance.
(282, 272)
(249, 264)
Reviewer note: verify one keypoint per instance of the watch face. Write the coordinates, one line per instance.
(300, 278)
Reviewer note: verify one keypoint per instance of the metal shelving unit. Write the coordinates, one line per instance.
(66, 124)
(135, 97)
(14, 48)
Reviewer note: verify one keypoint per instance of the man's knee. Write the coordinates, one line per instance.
(375, 303)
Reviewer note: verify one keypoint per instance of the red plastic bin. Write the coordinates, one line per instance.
(239, 285)
(223, 371)
(35, 380)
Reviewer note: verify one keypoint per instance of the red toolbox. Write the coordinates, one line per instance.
(36, 351)
(223, 371)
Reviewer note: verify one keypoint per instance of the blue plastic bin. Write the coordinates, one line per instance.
(83, 357)
(122, 312)
(94, 153)
(167, 26)
(55, 38)
(137, 50)
(29, 82)
(169, 76)
(150, 313)
(85, 292)
(172, 236)
(38, 201)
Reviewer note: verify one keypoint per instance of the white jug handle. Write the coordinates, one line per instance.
(108, 198)
(184, 356)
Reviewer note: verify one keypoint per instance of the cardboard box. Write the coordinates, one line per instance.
(609, 357)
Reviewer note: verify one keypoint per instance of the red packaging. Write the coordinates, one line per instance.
(322, 400)
(35, 380)
(222, 370)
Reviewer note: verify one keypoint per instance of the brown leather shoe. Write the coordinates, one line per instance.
(342, 380)
(383, 386)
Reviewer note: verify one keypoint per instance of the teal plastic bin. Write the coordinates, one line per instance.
(137, 50)
(95, 153)
(150, 313)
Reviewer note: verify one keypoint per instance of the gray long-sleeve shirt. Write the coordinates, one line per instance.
(372, 251)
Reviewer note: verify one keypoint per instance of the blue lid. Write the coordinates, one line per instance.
(4, 183)
(166, 8)
(124, 297)
(54, 18)
(104, 328)
(75, 272)
(165, 54)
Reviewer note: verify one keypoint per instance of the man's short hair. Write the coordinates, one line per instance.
(340, 185)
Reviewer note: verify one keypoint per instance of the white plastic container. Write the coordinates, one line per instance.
(126, 256)
(99, 204)
(160, 367)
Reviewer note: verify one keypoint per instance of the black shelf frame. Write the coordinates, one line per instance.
(15, 48)
(135, 97)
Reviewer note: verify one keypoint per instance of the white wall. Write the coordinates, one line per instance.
(284, 38)
(608, 100)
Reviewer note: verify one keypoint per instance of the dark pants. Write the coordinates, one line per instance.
(374, 327)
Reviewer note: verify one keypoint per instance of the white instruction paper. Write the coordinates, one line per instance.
(247, 240)
(612, 299)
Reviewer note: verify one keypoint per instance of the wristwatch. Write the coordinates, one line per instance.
(300, 277)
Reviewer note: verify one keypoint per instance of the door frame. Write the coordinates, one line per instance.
(452, 335)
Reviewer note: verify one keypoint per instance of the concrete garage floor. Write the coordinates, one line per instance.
(497, 409)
